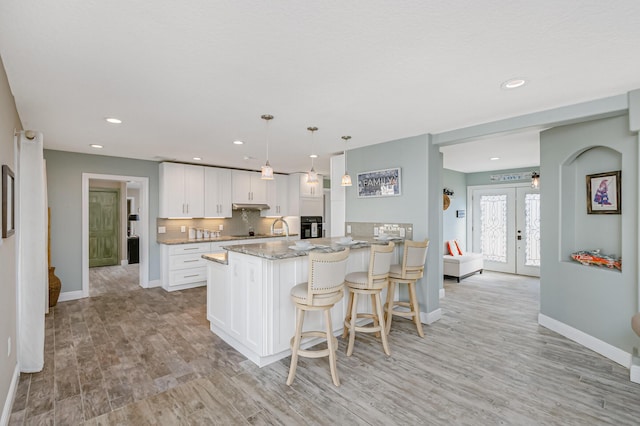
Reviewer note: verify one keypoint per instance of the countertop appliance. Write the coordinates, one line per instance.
(310, 227)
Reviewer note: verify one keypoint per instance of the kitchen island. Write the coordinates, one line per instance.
(248, 303)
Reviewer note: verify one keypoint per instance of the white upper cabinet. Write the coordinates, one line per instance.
(181, 190)
(277, 196)
(248, 187)
(217, 192)
(310, 190)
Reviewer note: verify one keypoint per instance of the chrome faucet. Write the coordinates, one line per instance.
(285, 225)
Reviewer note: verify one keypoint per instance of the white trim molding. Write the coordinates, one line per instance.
(11, 395)
(634, 373)
(441, 293)
(603, 348)
(430, 317)
(155, 283)
(72, 295)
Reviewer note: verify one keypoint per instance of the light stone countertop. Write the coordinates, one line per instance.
(283, 249)
(174, 241)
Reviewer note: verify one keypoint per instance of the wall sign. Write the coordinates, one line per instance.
(379, 183)
(510, 177)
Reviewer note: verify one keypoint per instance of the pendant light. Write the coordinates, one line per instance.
(312, 176)
(267, 170)
(346, 179)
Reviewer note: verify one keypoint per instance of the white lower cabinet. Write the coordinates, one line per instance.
(182, 265)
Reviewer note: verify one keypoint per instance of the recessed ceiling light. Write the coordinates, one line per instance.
(238, 142)
(513, 83)
(197, 158)
(96, 146)
(313, 156)
(113, 120)
(494, 158)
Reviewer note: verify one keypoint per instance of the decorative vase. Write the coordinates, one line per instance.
(54, 287)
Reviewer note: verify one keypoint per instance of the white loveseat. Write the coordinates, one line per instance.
(461, 265)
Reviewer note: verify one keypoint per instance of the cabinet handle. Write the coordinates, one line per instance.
(191, 248)
(190, 261)
(187, 208)
(191, 276)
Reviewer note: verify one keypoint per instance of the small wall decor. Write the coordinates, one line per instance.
(379, 183)
(8, 202)
(603, 193)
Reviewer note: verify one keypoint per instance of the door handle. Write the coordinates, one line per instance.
(519, 237)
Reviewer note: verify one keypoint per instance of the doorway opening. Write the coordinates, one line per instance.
(111, 259)
(504, 222)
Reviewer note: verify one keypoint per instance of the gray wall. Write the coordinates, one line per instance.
(597, 301)
(64, 184)
(421, 165)
(9, 121)
(454, 228)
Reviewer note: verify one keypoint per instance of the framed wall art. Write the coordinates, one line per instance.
(603, 193)
(8, 202)
(379, 183)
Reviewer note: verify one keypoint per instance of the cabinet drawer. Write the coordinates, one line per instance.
(184, 261)
(190, 248)
(188, 276)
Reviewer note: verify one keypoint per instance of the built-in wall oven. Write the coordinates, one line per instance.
(310, 227)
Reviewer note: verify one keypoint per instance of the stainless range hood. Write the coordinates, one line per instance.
(241, 206)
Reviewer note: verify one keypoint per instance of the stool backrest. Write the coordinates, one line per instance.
(414, 258)
(379, 264)
(326, 272)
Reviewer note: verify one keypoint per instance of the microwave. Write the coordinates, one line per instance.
(310, 227)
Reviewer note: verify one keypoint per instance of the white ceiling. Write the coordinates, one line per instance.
(187, 78)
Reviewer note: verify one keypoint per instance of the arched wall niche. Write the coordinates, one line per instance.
(579, 230)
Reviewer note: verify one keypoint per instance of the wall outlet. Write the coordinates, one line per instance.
(220, 227)
(9, 346)
(183, 229)
(348, 229)
(162, 229)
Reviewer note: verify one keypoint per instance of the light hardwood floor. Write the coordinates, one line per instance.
(147, 357)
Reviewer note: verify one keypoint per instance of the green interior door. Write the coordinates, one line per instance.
(104, 219)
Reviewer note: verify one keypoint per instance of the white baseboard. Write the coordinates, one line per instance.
(430, 317)
(8, 403)
(71, 295)
(124, 262)
(154, 283)
(441, 293)
(603, 348)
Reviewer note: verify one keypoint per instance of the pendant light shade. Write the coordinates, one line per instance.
(312, 176)
(346, 179)
(267, 170)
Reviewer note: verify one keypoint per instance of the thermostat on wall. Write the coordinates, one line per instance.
(459, 213)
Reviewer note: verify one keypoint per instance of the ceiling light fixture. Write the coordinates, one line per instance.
(238, 142)
(96, 146)
(267, 170)
(535, 179)
(113, 120)
(513, 83)
(197, 158)
(312, 176)
(494, 158)
(346, 179)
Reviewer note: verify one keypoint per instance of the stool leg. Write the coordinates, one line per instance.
(415, 308)
(332, 348)
(347, 318)
(388, 307)
(383, 334)
(374, 310)
(295, 346)
(353, 316)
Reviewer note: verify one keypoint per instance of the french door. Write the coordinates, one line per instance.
(506, 228)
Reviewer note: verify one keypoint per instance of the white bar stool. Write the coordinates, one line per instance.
(323, 290)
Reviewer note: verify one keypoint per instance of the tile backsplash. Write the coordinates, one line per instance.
(367, 229)
(238, 224)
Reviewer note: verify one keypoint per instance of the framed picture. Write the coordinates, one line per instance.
(603, 193)
(379, 183)
(8, 202)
